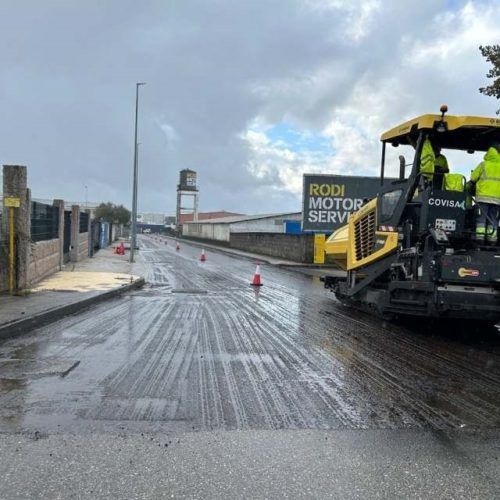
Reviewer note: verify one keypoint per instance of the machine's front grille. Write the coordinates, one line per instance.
(364, 235)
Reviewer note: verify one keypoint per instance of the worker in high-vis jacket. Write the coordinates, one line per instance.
(485, 179)
(440, 162)
(433, 164)
(427, 161)
(441, 169)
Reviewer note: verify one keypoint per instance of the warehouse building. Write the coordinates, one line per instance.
(220, 229)
(208, 215)
(151, 218)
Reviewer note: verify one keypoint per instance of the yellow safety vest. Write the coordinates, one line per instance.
(441, 164)
(427, 160)
(486, 176)
(454, 182)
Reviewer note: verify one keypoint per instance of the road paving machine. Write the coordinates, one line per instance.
(412, 250)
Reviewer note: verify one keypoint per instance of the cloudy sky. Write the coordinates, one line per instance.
(249, 93)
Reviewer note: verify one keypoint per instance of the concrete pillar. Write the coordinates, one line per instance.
(90, 252)
(75, 233)
(60, 205)
(15, 185)
(195, 207)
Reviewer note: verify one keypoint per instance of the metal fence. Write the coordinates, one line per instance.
(44, 221)
(84, 222)
(67, 235)
(95, 229)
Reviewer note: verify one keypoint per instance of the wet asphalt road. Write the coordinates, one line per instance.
(198, 349)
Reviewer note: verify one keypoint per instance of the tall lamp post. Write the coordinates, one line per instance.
(133, 235)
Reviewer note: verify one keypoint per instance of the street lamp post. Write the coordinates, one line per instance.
(133, 235)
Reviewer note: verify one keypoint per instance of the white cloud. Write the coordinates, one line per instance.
(437, 63)
(171, 135)
(356, 16)
(277, 166)
(455, 36)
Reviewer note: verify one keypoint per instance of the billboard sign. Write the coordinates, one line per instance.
(329, 200)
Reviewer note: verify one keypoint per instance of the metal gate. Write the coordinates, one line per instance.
(67, 235)
(94, 236)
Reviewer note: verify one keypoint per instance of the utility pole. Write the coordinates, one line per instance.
(133, 232)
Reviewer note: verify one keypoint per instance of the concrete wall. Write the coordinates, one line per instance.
(218, 232)
(295, 247)
(15, 186)
(221, 231)
(33, 260)
(83, 246)
(4, 251)
(44, 257)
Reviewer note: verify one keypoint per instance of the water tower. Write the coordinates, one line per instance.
(186, 189)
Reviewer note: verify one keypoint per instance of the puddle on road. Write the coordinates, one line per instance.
(8, 385)
(19, 369)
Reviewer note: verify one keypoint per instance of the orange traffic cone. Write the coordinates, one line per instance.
(202, 256)
(177, 247)
(256, 277)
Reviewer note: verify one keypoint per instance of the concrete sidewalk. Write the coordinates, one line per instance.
(76, 287)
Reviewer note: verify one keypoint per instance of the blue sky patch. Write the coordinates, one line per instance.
(297, 140)
(453, 4)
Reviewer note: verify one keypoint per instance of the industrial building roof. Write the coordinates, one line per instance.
(243, 218)
(202, 216)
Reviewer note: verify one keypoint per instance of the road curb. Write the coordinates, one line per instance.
(297, 267)
(19, 327)
(221, 249)
(263, 259)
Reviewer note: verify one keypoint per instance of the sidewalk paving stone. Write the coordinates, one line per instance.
(76, 287)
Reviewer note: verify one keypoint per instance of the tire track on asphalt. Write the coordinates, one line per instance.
(237, 407)
(294, 355)
(273, 411)
(288, 356)
(212, 411)
(383, 370)
(292, 360)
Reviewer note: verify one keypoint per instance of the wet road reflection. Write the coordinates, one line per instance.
(199, 348)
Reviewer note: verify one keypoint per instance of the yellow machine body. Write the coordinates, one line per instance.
(411, 250)
(358, 243)
(454, 125)
(336, 246)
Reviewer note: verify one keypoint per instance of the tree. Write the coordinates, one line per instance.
(122, 215)
(492, 55)
(116, 214)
